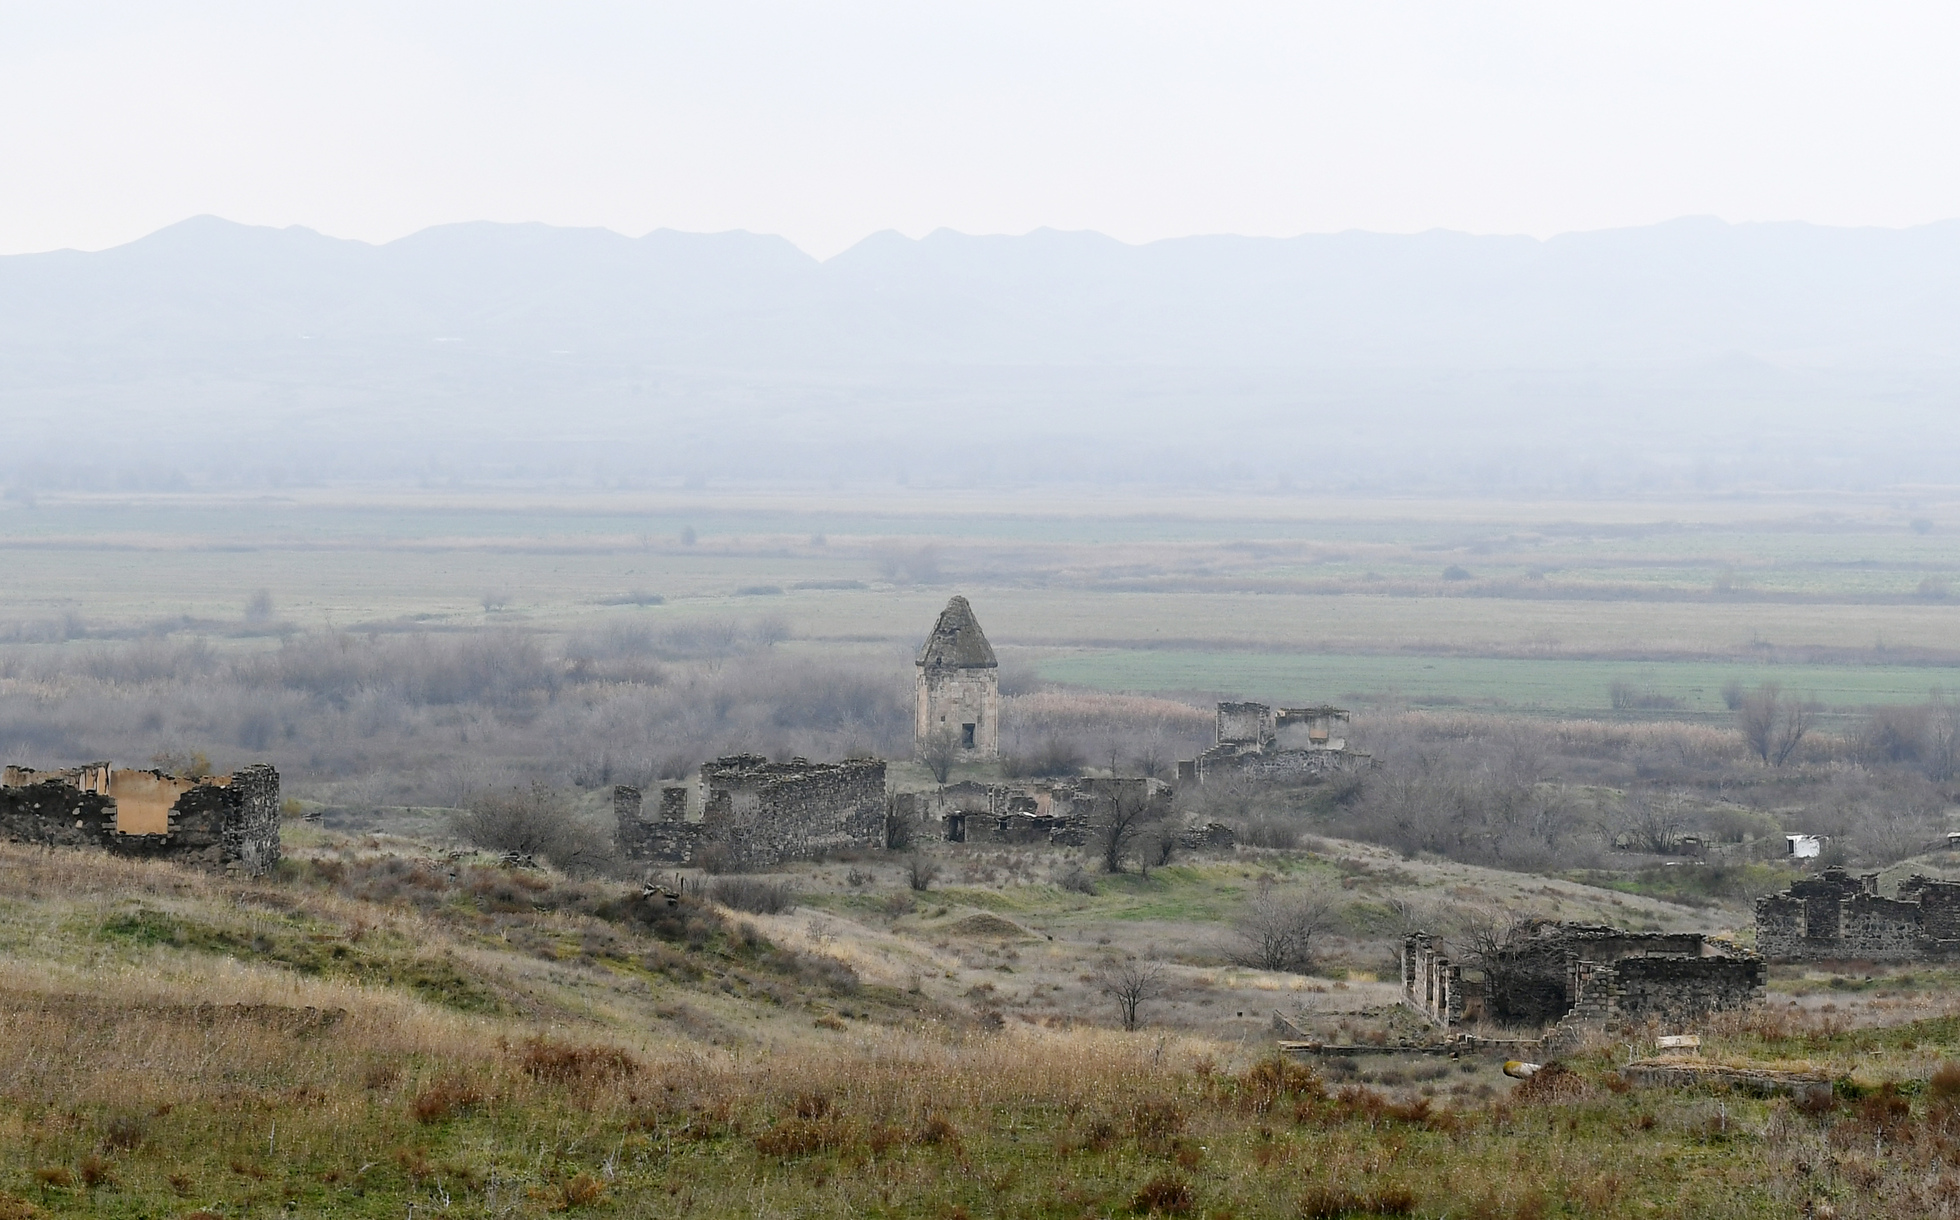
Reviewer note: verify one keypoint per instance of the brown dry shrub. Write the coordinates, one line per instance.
(1167, 1194)
(13, 1207)
(794, 1137)
(54, 1176)
(582, 1190)
(1337, 1202)
(95, 1171)
(936, 1130)
(558, 1063)
(1553, 1083)
(1944, 1086)
(1155, 1118)
(1262, 1085)
(124, 1133)
(444, 1100)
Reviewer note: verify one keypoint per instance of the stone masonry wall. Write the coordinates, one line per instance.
(761, 813)
(56, 814)
(1679, 990)
(229, 823)
(1836, 917)
(668, 839)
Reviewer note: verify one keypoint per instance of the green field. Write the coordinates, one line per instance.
(1552, 686)
(1535, 606)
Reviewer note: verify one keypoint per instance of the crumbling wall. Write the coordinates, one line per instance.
(228, 822)
(1244, 724)
(1432, 984)
(1680, 990)
(1060, 813)
(668, 838)
(1572, 975)
(1836, 917)
(761, 813)
(56, 814)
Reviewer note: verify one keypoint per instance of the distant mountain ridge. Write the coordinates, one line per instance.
(512, 347)
(1688, 290)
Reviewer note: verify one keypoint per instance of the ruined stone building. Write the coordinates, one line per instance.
(221, 822)
(1562, 974)
(746, 812)
(1061, 812)
(1836, 917)
(1275, 745)
(959, 685)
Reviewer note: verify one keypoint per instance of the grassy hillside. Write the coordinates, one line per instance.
(382, 1025)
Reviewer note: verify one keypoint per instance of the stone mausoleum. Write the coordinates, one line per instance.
(959, 685)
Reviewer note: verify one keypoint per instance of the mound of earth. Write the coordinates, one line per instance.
(987, 924)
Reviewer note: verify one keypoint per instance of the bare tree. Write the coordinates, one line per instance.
(1131, 982)
(1943, 740)
(1657, 822)
(939, 751)
(920, 873)
(1773, 725)
(1276, 931)
(1158, 844)
(900, 827)
(1120, 826)
(1798, 716)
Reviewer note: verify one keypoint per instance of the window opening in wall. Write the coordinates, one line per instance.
(966, 736)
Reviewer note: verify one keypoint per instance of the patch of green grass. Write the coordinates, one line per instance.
(377, 959)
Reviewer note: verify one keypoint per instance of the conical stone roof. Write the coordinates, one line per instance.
(956, 641)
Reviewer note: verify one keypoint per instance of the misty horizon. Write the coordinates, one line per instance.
(1691, 355)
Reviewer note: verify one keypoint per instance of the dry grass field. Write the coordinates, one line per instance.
(382, 1026)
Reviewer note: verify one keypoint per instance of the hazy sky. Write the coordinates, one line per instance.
(829, 120)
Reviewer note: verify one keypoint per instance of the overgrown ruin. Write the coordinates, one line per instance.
(221, 822)
(1565, 975)
(1059, 812)
(745, 812)
(1837, 917)
(1275, 745)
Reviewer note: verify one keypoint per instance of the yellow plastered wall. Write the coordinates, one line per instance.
(144, 798)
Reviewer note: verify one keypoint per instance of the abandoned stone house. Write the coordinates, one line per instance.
(1563, 975)
(1836, 917)
(745, 812)
(222, 822)
(1275, 745)
(1061, 813)
(958, 687)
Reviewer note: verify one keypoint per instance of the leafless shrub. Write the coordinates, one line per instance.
(1277, 930)
(533, 822)
(920, 873)
(752, 894)
(1131, 982)
(939, 751)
